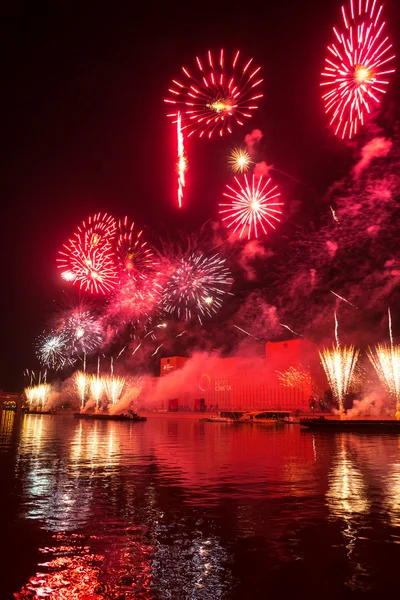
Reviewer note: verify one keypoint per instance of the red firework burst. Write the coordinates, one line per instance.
(133, 302)
(356, 69)
(221, 94)
(134, 257)
(251, 206)
(88, 258)
(98, 229)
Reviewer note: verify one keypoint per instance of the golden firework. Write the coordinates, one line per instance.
(386, 361)
(339, 363)
(239, 160)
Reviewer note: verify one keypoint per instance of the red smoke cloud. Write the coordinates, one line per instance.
(376, 148)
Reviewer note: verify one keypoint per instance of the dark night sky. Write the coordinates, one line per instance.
(84, 127)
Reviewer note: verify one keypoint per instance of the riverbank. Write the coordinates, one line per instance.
(202, 415)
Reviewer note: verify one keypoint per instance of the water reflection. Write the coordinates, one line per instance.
(348, 499)
(347, 494)
(226, 452)
(183, 509)
(363, 494)
(95, 446)
(68, 572)
(34, 428)
(7, 419)
(202, 571)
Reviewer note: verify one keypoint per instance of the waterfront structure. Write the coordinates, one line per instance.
(288, 377)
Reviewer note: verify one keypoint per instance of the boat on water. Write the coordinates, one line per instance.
(218, 420)
(131, 416)
(248, 417)
(291, 420)
(359, 425)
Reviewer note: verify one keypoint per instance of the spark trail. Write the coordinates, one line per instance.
(182, 160)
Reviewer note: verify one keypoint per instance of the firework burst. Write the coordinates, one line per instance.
(386, 361)
(37, 395)
(52, 351)
(239, 160)
(81, 330)
(96, 389)
(135, 302)
(30, 394)
(136, 385)
(82, 382)
(79, 326)
(197, 287)
(339, 363)
(68, 275)
(357, 67)
(221, 94)
(251, 207)
(294, 378)
(113, 387)
(84, 333)
(88, 258)
(134, 257)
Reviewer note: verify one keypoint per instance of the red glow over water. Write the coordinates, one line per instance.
(177, 508)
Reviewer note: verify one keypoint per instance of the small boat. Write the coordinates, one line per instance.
(367, 425)
(291, 420)
(248, 417)
(218, 420)
(264, 416)
(131, 416)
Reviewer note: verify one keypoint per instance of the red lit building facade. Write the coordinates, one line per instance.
(287, 378)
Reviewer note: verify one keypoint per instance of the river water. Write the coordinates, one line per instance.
(177, 508)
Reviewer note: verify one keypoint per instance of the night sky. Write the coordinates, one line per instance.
(84, 129)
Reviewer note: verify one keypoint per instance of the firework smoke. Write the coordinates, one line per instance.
(252, 139)
(378, 147)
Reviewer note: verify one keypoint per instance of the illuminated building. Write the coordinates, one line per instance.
(288, 377)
